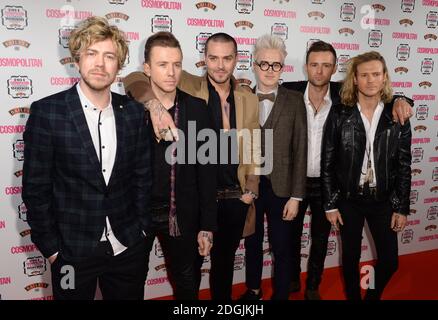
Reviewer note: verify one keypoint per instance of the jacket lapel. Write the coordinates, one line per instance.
(278, 106)
(118, 109)
(78, 117)
(385, 120)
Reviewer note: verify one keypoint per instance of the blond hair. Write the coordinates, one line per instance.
(349, 95)
(268, 41)
(96, 29)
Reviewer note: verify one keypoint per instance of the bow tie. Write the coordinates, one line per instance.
(269, 96)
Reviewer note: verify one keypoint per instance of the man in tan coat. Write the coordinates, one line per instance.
(234, 113)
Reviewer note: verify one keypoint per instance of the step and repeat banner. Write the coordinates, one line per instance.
(35, 62)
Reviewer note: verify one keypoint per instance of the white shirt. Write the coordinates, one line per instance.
(370, 129)
(315, 126)
(105, 149)
(265, 106)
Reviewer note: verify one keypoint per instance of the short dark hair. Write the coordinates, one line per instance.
(221, 37)
(320, 46)
(160, 39)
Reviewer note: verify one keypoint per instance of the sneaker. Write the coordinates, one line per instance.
(295, 286)
(312, 295)
(250, 295)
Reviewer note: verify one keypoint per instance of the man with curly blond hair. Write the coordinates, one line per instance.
(87, 175)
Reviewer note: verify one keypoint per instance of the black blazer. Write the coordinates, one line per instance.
(196, 206)
(64, 190)
(335, 88)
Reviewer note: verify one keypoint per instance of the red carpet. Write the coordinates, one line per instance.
(416, 279)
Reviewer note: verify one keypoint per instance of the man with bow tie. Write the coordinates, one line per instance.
(282, 111)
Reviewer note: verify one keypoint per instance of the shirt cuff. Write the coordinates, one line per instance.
(298, 199)
(331, 210)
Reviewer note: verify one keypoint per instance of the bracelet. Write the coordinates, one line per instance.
(252, 194)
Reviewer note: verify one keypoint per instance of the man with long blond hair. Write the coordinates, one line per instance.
(87, 175)
(365, 170)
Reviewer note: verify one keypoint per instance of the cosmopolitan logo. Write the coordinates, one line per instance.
(72, 14)
(201, 39)
(243, 24)
(420, 140)
(406, 22)
(205, 5)
(316, 14)
(413, 222)
(20, 87)
(401, 70)
(280, 14)
(407, 5)
(131, 35)
(422, 112)
(427, 66)
(10, 191)
(21, 63)
(428, 97)
(431, 19)
(430, 36)
(117, 16)
(245, 41)
(430, 200)
(427, 50)
(346, 46)
(2, 224)
(64, 81)
(5, 280)
(401, 84)
(313, 29)
(348, 12)
(428, 238)
(425, 84)
(346, 31)
(12, 129)
(64, 35)
(288, 68)
(404, 35)
(196, 22)
(170, 5)
(342, 62)
(16, 43)
(14, 17)
(376, 21)
(433, 159)
(155, 281)
(403, 52)
(161, 23)
(24, 249)
(36, 286)
(244, 6)
(430, 3)
(375, 38)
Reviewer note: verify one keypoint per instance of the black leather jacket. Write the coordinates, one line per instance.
(343, 151)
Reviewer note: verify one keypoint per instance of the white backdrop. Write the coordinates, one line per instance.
(34, 62)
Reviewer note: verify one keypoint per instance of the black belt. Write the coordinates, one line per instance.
(229, 194)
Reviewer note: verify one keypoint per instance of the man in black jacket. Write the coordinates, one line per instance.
(365, 171)
(319, 95)
(86, 180)
(183, 191)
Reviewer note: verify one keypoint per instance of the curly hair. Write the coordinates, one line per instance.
(95, 29)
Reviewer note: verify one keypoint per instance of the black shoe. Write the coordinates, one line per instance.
(312, 295)
(295, 286)
(250, 295)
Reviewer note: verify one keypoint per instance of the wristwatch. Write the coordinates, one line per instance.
(252, 194)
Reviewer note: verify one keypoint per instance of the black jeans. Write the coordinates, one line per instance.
(320, 232)
(182, 259)
(231, 220)
(121, 277)
(378, 216)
